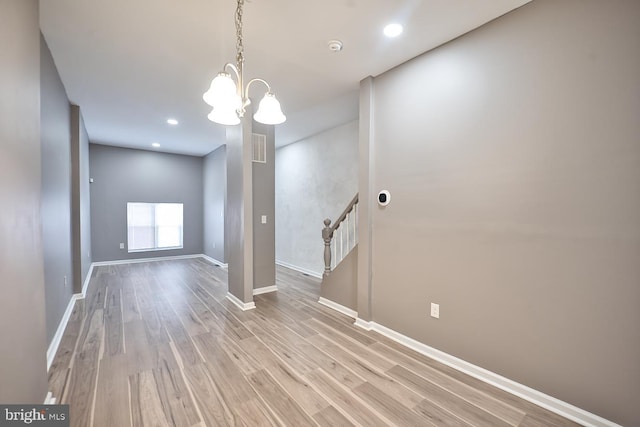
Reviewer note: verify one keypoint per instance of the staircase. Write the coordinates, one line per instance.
(340, 277)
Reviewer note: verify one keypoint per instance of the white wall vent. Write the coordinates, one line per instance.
(259, 144)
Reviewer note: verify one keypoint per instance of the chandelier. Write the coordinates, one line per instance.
(230, 98)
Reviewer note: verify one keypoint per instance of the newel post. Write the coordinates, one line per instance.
(327, 235)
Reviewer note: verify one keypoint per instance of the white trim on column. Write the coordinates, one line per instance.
(87, 279)
(49, 400)
(215, 261)
(265, 290)
(300, 269)
(527, 393)
(338, 307)
(364, 324)
(244, 306)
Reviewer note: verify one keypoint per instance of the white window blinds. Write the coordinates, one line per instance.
(154, 226)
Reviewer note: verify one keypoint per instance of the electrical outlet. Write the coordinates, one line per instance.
(121, 245)
(264, 219)
(435, 310)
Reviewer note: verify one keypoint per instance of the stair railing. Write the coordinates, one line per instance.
(345, 230)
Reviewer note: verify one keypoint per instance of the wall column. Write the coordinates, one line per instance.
(239, 215)
(366, 199)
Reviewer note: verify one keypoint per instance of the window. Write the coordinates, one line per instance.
(154, 226)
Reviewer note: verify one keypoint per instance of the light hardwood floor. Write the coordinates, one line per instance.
(158, 344)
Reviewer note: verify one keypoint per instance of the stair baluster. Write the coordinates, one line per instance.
(343, 224)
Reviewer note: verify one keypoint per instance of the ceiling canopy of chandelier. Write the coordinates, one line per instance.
(230, 98)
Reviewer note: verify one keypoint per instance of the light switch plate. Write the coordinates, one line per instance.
(264, 219)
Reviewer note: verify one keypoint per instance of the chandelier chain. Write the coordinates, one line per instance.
(239, 45)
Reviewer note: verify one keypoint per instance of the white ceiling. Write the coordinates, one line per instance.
(131, 64)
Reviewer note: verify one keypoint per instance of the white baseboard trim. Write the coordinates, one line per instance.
(87, 279)
(55, 342)
(300, 269)
(49, 400)
(364, 324)
(265, 290)
(57, 337)
(244, 306)
(338, 307)
(527, 393)
(139, 260)
(215, 261)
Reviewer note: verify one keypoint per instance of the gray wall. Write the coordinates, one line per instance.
(514, 169)
(215, 203)
(124, 175)
(56, 191)
(316, 178)
(80, 199)
(264, 235)
(340, 285)
(22, 308)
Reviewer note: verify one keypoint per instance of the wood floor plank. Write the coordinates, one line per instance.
(130, 309)
(144, 295)
(314, 356)
(262, 356)
(279, 401)
(438, 415)
(295, 385)
(153, 326)
(351, 345)
(139, 349)
(342, 399)
(93, 331)
(500, 409)
(174, 395)
(84, 371)
(228, 322)
(146, 406)
(282, 317)
(549, 417)
(389, 407)
(209, 320)
(331, 417)
(114, 334)
(189, 354)
(288, 354)
(190, 320)
(368, 372)
(245, 361)
(112, 407)
(235, 388)
(254, 413)
(208, 397)
(435, 394)
(81, 387)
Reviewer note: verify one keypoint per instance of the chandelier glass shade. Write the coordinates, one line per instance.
(230, 98)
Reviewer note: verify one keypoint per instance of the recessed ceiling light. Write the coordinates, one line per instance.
(172, 122)
(155, 144)
(393, 30)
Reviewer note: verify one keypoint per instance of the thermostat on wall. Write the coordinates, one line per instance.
(384, 198)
